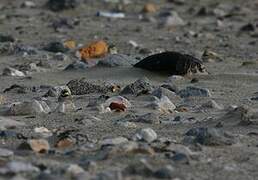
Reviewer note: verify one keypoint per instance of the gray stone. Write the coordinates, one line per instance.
(6, 123)
(114, 141)
(146, 134)
(12, 72)
(149, 118)
(164, 105)
(171, 20)
(55, 91)
(212, 104)
(18, 167)
(5, 153)
(27, 108)
(114, 60)
(139, 87)
(76, 65)
(209, 137)
(194, 91)
(166, 172)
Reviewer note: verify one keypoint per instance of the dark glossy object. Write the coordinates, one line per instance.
(174, 63)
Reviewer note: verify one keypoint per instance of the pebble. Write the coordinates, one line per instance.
(7, 123)
(163, 105)
(18, 167)
(160, 92)
(114, 141)
(56, 91)
(170, 86)
(194, 91)
(74, 170)
(114, 60)
(6, 38)
(212, 104)
(27, 108)
(142, 167)
(13, 72)
(56, 47)
(172, 20)
(28, 4)
(4, 153)
(166, 172)
(43, 132)
(149, 118)
(208, 137)
(77, 65)
(210, 56)
(139, 87)
(146, 134)
(111, 14)
(61, 5)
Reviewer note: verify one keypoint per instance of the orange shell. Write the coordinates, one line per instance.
(94, 50)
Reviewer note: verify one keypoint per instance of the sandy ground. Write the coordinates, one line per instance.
(230, 83)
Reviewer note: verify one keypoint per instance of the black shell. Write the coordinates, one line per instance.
(174, 63)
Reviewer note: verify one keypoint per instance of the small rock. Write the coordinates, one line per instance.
(172, 20)
(13, 72)
(55, 91)
(194, 91)
(248, 27)
(170, 86)
(160, 92)
(147, 134)
(111, 14)
(36, 145)
(4, 153)
(6, 123)
(209, 137)
(28, 4)
(149, 118)
(164, 105)
(56, 47)
(77, 65)
(61, 5)
(27, 108)
(60, 57)
(74, 170)
(18, 167)
(180, 158)
(210, 56)
(42, 131)
(212, 104)
(114, 60)
(114, 141)
(149, 8)
(167, 172)
(139, 87)
(141, 167)
(6, 38)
